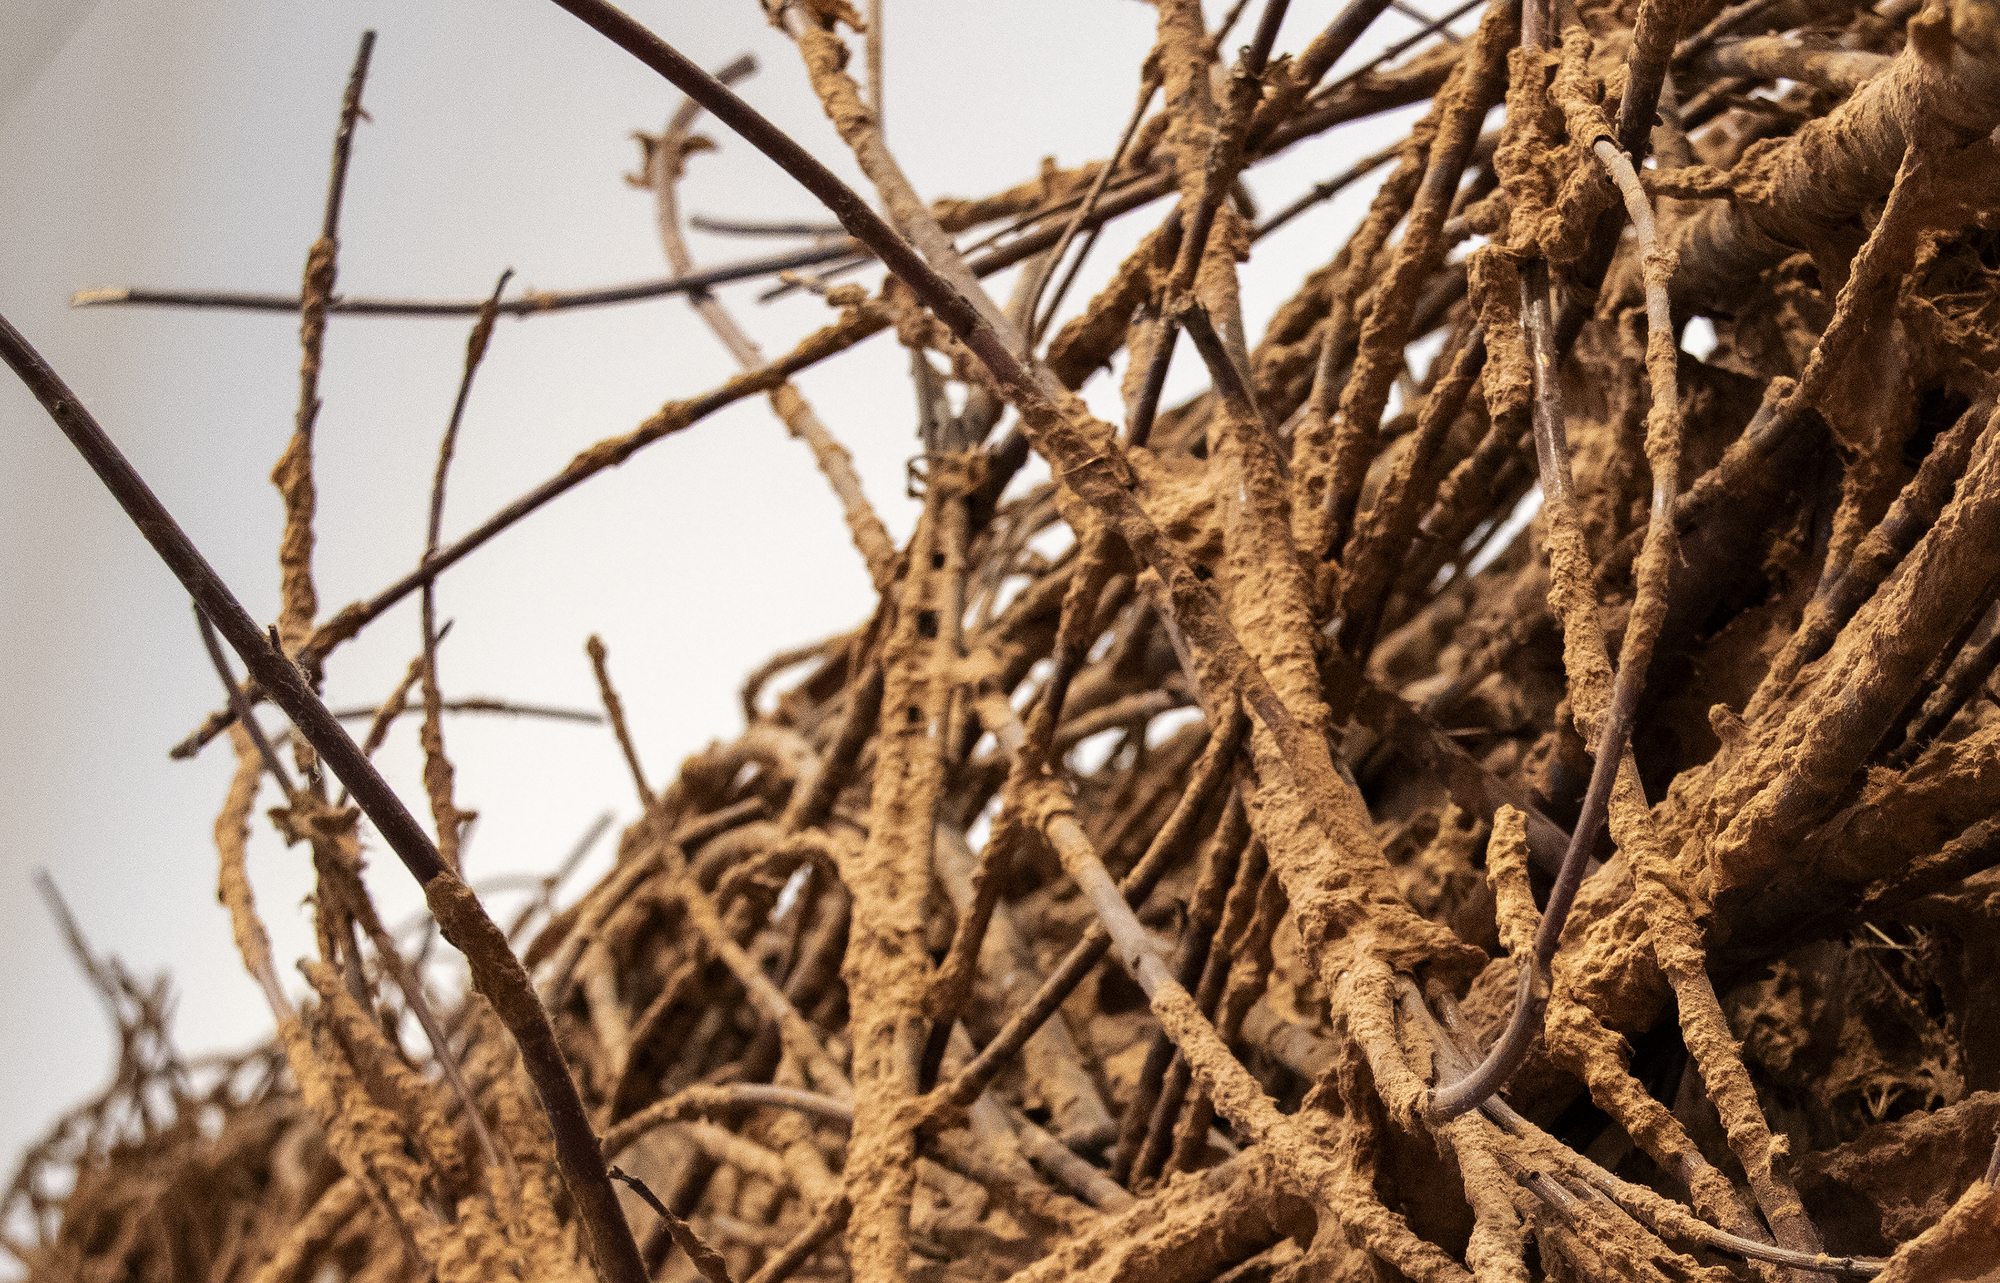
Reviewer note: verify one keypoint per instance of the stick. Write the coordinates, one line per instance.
(615, 710)
(705, 1258)
(529, 305)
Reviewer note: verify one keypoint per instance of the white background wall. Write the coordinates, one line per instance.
(186, 144)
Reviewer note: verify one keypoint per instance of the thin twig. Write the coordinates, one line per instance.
(480, 704)
(1457, 1046)
(1321, 192)
(272, 762)
(830, 1221)
(439, 776)
(1219, 170)
(874, 50)
(1148, 86)
(615, 710)
(750, 227)
(1205, 780)
(293, 476)
(706, 1259)
(1648, 613)
(528, 305)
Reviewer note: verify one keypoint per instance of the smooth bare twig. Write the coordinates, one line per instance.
(478, 704)
(534, 303)
(272, 762)
(706, 1259)
(1148, 86)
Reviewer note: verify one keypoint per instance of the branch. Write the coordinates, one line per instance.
(534, 303)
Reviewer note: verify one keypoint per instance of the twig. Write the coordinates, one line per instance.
(1457, 1046)
(475, 353)
(1238, 1096)
(1653, 34)
(1552, 451)
(706, 1259)
(874, 51)
(528, 305)
(1915, 510)
(1215, 918)
(615, 710)
(871, 538)
(1205, 780)
(1721, 24)
(673, 417)
(1162, 1083)
(1051, 1059)
(746, 227)
(102, 977)
(700, 1100)
(439, 775)
(479, 704)
(1967, 676)
(1199, 206)
(1462, 106)
(293, 476)
(1397, 49)
(1149, 85)
(465, 922)
(677, 415)
(272, 762)
(1327, 190)
(830, 1221)
(348, 887)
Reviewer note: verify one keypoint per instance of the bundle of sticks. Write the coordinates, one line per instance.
(1257, 852)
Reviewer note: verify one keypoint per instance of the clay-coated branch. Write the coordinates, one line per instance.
(1457, 1049)
(1205, 781)
(1079, 449)
(1552, 452)
(614, 709)
(293, 475)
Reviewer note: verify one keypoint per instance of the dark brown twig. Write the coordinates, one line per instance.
(480, 704)
(1206, 779)
(1327, 190)
(706, 1259)
(1148, 86)
(531, 304)
(272, 762)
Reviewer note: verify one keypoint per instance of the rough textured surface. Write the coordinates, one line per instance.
(1772, 1025)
